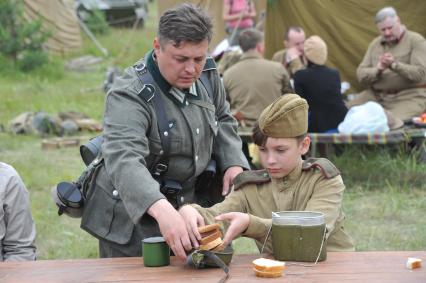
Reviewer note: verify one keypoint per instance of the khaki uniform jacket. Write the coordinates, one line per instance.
(17, 229)
(253, 83)
(199, 129)
(293, 66)
(305, 188)
(395, 88)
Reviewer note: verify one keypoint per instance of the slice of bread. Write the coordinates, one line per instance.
(208, 228)
(267, 274)
(219, 248)
(268, 265)
(211, 245)
(211, 237)
(413, 263)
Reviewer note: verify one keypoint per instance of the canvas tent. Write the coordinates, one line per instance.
(346, 26)
(60, 19)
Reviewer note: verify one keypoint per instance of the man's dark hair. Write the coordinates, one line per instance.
(249, 38)
(292, 28)
(185, 22)
(259, 138)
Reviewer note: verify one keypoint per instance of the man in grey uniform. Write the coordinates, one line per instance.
(126, 203)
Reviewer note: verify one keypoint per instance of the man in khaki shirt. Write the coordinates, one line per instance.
(292, 57)
(253, 83)
(394, 68)
(287, 184)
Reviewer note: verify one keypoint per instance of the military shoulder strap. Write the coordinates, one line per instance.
(208, 66)
(251, 177)
(327, 168)
(148, 93)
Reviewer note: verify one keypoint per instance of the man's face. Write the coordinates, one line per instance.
(390, 29)
(296, 40)
(181, 66)
(281, 155)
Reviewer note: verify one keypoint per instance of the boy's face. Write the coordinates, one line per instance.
(281, 155)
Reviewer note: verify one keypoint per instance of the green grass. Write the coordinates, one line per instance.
(385, 198)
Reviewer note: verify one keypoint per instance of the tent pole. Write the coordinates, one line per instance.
(92, 37)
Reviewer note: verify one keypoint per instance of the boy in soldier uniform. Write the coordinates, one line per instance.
(286, 183)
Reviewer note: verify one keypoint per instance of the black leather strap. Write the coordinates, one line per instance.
(150, 91)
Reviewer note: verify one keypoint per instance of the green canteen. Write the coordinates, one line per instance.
(155, 252)
(299, 236)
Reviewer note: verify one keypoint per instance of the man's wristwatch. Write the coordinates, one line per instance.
(393, 66)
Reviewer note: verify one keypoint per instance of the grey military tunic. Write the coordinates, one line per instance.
(199, 128)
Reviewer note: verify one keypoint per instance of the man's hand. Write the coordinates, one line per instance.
(193, 220)
(228, 178)
(238, 223)
(385, 61)
(388, 59)
(172, 227)
(292, 53)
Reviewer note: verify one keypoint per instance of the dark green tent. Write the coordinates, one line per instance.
(347, 26)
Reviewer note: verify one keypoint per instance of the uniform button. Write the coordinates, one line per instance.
(166, 133)
(187, 103)
(196, 158)
(115, 193)
(215, 122)
(182, 199)
(161, 152)
(198, 131)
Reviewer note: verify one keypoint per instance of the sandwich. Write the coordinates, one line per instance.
(269, 268)
(211, 237)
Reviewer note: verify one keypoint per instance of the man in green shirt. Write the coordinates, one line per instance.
(148, 170)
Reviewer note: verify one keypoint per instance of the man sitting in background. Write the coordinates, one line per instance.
(253, 83)
(394, 68)
(292, 56)
(17, 229)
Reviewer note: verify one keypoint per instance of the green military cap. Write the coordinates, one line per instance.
(286, 117)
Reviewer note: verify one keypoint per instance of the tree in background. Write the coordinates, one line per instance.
(21, 41)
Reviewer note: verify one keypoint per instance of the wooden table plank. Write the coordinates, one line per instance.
(339, 267)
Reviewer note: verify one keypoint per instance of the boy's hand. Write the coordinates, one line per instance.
(238, 223)
(192, 220)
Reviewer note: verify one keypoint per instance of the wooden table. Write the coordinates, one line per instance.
(363, 267)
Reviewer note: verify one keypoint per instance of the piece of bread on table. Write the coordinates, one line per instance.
(413, 263)
(264, 267)
(267, 274)
(211, 245)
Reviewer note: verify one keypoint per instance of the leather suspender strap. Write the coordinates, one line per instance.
(149, 92)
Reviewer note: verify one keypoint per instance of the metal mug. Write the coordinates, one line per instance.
(155, 252)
